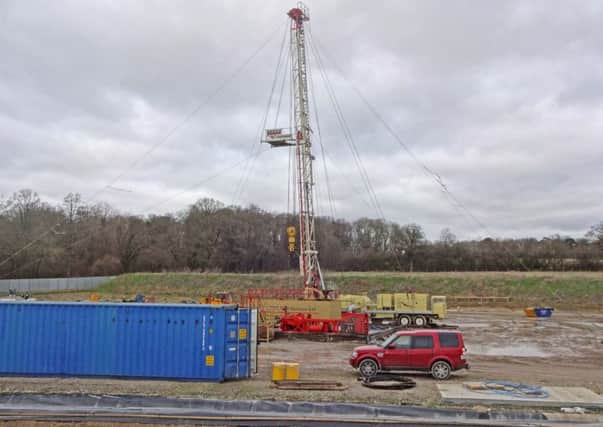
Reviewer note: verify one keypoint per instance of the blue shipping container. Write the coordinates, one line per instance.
(179, 341)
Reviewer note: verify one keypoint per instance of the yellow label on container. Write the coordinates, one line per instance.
(242, 334)
(209, 360)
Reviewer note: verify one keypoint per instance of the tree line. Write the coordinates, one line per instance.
(78, 239)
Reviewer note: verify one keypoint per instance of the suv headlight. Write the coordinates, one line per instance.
(354, 354)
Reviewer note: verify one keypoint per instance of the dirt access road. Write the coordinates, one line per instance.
(502, 345)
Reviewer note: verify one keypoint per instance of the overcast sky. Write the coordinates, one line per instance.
(504, 100)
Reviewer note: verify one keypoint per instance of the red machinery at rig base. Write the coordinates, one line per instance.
(294, 321)
(350, 324)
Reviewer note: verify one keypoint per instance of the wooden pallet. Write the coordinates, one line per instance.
(309, 385)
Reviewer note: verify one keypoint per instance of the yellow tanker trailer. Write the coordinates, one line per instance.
(408, 309)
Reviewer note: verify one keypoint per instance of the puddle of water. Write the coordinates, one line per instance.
(473, 325)
(587, 324)
(523, 350)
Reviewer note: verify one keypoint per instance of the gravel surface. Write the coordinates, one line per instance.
(566, 350)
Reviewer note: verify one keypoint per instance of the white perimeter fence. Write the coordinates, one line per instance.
(48, 285)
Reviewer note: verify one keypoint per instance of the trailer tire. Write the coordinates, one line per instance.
(420, 321)
(368, 368)
(404, 320)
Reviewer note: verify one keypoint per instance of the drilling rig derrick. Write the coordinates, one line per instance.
(299, 137)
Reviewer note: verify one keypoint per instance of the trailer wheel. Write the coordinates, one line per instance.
(420, 321)
(368, 368)
(404, 320)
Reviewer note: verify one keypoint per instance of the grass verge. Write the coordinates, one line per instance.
(559, 289)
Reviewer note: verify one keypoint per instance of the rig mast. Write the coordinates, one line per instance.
(300, 137)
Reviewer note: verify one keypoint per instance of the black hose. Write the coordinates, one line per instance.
(388, 382)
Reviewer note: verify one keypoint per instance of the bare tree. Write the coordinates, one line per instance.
(447, 238)
(595, 234)
(413, 236)
(72, 210)
(131, 239)
(211, 236)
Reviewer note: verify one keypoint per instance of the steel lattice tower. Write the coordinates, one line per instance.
(300, 138)
(305, 177)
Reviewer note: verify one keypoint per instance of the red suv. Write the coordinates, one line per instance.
(437, 351)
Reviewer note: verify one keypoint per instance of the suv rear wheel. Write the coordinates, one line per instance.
(368, 368)
(441, 370)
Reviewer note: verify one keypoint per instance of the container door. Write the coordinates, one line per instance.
(237, 345)
(253, 344)
(27, 339)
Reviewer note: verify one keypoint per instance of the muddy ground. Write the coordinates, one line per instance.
(502, 345)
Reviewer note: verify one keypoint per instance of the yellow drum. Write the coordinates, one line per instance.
(292, 371)
(278, 371)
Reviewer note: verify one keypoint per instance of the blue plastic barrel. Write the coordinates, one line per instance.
(543, 311)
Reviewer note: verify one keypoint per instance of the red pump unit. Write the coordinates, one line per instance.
(305, 323)
(350, 324)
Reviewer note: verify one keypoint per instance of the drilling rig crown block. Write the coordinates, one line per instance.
(298, 14)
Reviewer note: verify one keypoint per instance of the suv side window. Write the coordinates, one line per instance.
(422, 341)
(448, 339)
(403, 341)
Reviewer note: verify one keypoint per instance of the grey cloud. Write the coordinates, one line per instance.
(502, 100)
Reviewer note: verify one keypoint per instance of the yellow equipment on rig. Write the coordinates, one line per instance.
(220, 298)
(291, 239)
(351, 302)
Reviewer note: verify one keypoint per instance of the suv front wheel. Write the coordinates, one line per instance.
(441, 370)
(368, 368)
